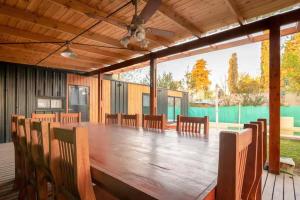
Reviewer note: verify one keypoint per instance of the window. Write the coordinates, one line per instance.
(146, 104)
(174, 108)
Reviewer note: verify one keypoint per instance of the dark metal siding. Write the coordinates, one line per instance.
(185, 103)
(19, 87)
(119, 97)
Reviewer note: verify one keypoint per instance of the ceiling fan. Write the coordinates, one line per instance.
(136, 29)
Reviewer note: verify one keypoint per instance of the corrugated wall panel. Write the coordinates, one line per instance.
(2, 104)
(19, 86)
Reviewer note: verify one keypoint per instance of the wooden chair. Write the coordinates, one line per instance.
(30, 188)
(66, 118)
(232, 163)
(112, 119)
(40, 155)
(130, 120)
(265, 131)
(70, 165)
(154, 122)
(18, 153)
(45, 117)
(192, 124)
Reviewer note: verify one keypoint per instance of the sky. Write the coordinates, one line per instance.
(217, 62)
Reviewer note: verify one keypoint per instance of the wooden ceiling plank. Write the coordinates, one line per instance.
(178, 19)
(58, 26)
(90, 11)
(235, 11)
(42, 38)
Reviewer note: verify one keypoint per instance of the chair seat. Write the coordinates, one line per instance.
(102, 194)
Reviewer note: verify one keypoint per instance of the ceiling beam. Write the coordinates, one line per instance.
(178, 19)
(298, 26)
(261, 25)
(89, 11)
(59, 26)
(42, 38)
(235, 11)
(257, 38)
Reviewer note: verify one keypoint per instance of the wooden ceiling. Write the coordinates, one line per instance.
(63, 20)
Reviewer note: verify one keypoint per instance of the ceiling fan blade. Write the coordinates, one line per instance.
(108, 20)
(160, 32)
(54, 42)
(149, 10)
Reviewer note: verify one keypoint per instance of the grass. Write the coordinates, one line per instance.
(291, 149)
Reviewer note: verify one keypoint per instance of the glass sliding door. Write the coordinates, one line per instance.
(174, 108)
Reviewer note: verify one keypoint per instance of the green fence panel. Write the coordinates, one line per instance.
(230, 114)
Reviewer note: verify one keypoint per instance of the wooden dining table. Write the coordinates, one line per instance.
(139, 164)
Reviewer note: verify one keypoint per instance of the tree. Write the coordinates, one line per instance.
(200, 77)
(264, 65)
(166, 81)
(291, 65)
(233, 74)
(248, 85)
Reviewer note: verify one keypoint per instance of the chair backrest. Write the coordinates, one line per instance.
(256, 191)
(66, 118)
(154, 122)
(70, 164)
(14, 127)
(265, 130)
(45, 117)
(251, 163)
(192, 124)
(112, 119)
(232, 161)
(40, 143)
(130, 120)
(24, 134)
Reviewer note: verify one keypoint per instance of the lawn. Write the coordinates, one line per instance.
(291, 149)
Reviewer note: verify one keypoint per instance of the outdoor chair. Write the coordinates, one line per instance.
(66, 118)
(154, 122)
(70, 166)
(232, 164)
(17, 148)
(265, 130)
(130, 120)
(112, 119)
(192, 124)
(30, 187)
(45, 117)
(40, 154)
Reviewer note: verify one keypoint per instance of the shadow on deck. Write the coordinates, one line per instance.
(276, 187)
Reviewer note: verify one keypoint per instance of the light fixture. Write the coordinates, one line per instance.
(68, 53)
(140, 33)
(144, 43)
(125, 41)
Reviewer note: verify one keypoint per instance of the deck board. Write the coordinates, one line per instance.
(7, 172)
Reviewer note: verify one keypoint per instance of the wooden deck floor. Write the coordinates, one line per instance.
(280, 187)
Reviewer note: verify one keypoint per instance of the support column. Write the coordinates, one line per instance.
(274, 99)
(153, 86)
(100, 98)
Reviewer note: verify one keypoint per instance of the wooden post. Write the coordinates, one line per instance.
(274, 99)
(153, 87)
(100, 98)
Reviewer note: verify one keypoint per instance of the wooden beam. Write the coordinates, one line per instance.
(235, 11)
(298, 26)
(264, 24)
(274, 103)
(57, 26)
(89, 11)
(257, 38)
(178, 19)
(42, 38)
(153, 86)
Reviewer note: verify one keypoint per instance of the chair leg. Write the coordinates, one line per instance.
(42, 185)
